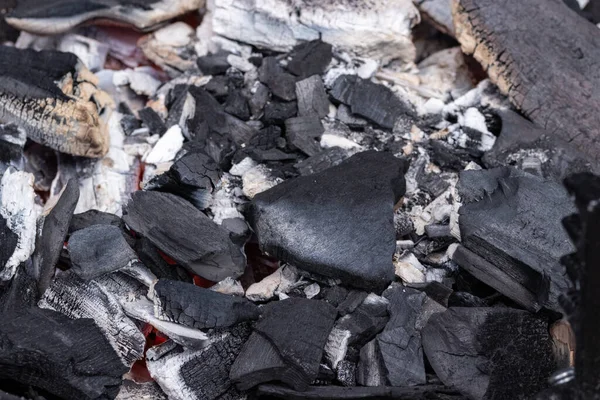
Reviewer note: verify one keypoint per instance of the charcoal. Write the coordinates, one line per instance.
(370, 369)
(403, 224)
(237, 105)
(12, 141)
(213, 64)
(72, 296)
(149, 255)
(18, 293)
(312, 98)
(259, 99)
(236, 78)
(279, 82)
(489, 353)
(185, 234)
(434, 231)
(436, 291)
(8, 241)
(310, 58)
(200, 374)
(286, 345)
(267, 138)
(276, 112)
(345, 115)
(361, 231)
(78, 362)
(326, 158)
(218, 86)
(42, 162)
(465, 299)
(129, 123)
(92, 258)
(511, 219)
(51, 238)
(239, 231)
(369, 100)
(94, 217)
(352, 300)
(200, 308)
(346, 373)
(176, 102)
(152, 121)
(303, 133)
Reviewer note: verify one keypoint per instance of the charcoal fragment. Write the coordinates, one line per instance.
(310, 58)
(213, 64)
(218, 86)
(303, 133)
(279, 82)
(130, 123)
(312, 98)
(276, 112)
(425, 392)
(258, 100)
(150, 257)
(8, 241)
(152, 121)
(94, 217)
(237, 105)
(326, 158)
(345, 115)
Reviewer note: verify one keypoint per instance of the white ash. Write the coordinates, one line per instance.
(177, 34)
(279, 282)
(140, 272)
(336, 346)
(312, 290)
(167, 146)
(435, 212)
(226, 199)
(258, 179)
(445, 73)
(91, 52)
(409, 269)
(140, 80)
(331, 140)
(240, 63)
(131, 390)
(242, 167)
(367, 68)
(172, 48)
(229, 286)
(165, 371)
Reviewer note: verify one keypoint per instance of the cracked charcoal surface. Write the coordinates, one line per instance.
(310, 58)
(312, 98)
(281, 83)
(185, 234)
(201, 308)
(303, 133)
(350, 240)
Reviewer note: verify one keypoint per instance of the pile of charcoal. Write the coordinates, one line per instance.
(299, 200)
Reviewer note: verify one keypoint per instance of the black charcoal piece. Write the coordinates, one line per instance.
(150, 257)
(176, 102)
(281, 84)
(185, 234)
(276, 112)
(196, 307)
(213, 64)
(312, 98)
(94, 217)
(434, 231)
(371, 100)
(310, 58)
(153, 121)
(287, 344)
(426, 392)
(68, 358)
(129, 123)
(490, 353)
(326, 158)
(8, 242)
(345, 115)
(304, 133)
(512, 220)
(20, 292)
(370, 370)
(403, 224)
(348, 211)
(237, 105)
(218, 86)
(400, 342)
(346, 373)
(50, 240)
(99, 250)
(12, 141)
(267, 138)
(193, 177)
(259, 99)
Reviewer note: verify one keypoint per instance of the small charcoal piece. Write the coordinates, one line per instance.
(267, 138)
(8, 242)
(512, 219)
(34, 94)
(564, 59)
(218, 86)
(150, 257)
(213, 64)
(153, 121)
(57, 16)
(193, 177)
(196, 307)
(513, 345)
(68, 358)
(303, 133)
(258, 100)
(370, 100)
(237, 105)
(348, 211)
(312, 98)
(130, 123)
(276, 112)
(345, 115)
(200, 374)
(425, 392)
(19, 292)
(94, 217)
(327, 158)
(287, 344)
(185, 234)
(281, 84)
(12, 141)
(310, 58)
(50, 240)
(99, 250)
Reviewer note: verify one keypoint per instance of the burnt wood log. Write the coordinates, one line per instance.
(552, 76)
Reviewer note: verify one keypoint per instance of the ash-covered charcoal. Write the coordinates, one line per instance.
(312, 98)
(310, 58)
(287, 344)
(258, 100)
(439, 13)
(8, 244)
(94, 217)
(153, 121)
(150, 257)
(258, 179)
(68, 358)
(424, 392)
(57, 16)
(193, 177)
(278, 283)
(276, 112)
(185, 234)
(51, 238)
(303, 133)
(345, 116)
(129, 124)
(370, 370)
(229, 286)
(214, 64)
(12, 141)
(280, 83)
(512, 220)
(237, 105)
(326, 158)
(200, 308)
(72, 296)
(349, 240)
(490, 353)
(370, 100)
(131, 390)
(203, 374)
(54, 98)
(98, 250)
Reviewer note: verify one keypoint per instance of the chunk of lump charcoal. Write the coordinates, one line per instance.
(361, 231)
(185, 234)
(287, 344)
(311, 96)
(310, 58)
(200, 308)
(281, 84)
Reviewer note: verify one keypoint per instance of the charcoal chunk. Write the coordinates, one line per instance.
(490, 353)
(303, 133)
(8, 241)
(185, 234)
(200, 308)
(310, 58)
(348, 211)
(94, 217)
(345, 115)
(129, 123)
(312, 98)
(213, 64)
(150, 257)
(218, 86)
(370, 100)
(259, 99)
(281, 84)
(12, 141)
(68, 358)
(237, 105)
(326, 158)
(276, 112)
(287, 344)
(152, 121)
